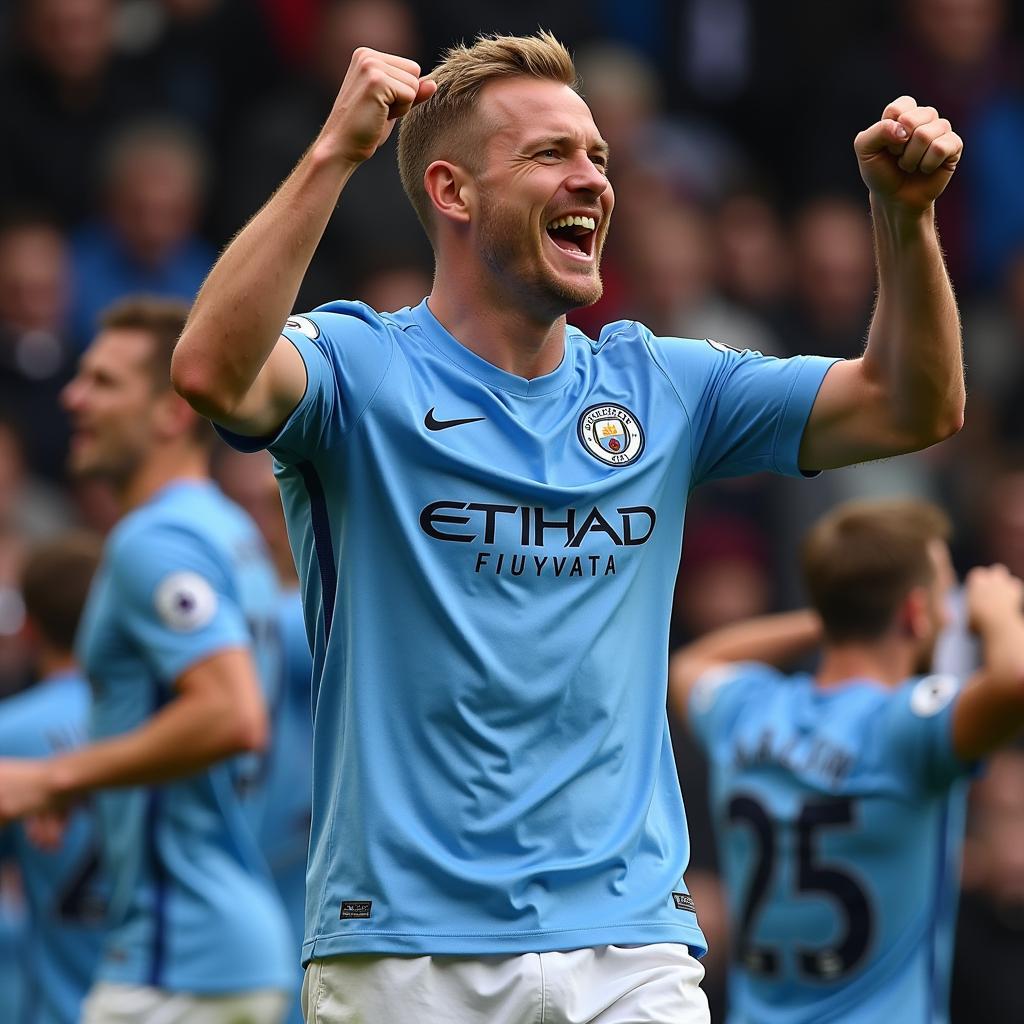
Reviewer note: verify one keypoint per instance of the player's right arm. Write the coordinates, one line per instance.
(769, 639)
(231, 363)
(990, 710)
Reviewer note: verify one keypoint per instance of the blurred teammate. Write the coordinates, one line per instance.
(64, 892)
(486, 510)
(838, 798)
(287, 782)
(178, 624)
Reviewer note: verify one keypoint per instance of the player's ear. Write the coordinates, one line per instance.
(452, 191)
(172, 415)
(915, 613)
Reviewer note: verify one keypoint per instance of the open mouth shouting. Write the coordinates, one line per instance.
(574, 234)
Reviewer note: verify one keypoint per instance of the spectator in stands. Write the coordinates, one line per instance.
(955, 55)
(35, 351)
(834, 277)
(377, 223)
(213, 58)
(146, 242)
(672, 273)
(990, 930)
(64, 92)
(755, 265)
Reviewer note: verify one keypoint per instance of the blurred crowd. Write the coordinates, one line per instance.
(139, 135)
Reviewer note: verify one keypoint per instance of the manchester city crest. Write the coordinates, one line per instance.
(612, 434)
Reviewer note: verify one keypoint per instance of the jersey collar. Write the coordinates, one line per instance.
(488, 372)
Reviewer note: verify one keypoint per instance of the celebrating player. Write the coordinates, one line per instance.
(175, 630)
(486, 510)
(63, 886)
(837, 798)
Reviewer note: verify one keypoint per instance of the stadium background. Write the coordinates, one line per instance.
(137, 136)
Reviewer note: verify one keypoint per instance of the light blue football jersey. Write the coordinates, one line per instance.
(839, 814)
(284, 831)
(64, 893)
(487, 567)
(193, 908)
(13, 933)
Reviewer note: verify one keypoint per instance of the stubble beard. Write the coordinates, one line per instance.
(115, 468)
(505, 246)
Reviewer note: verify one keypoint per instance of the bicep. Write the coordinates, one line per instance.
(851, 421)
(273, 396)
(985, 717)
(224, 688)
(685, 670)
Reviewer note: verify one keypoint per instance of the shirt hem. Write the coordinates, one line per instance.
(476, 944)
(223, 986)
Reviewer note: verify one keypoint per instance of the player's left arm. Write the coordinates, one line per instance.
(990, 710)
(907, 390)
(770, 639)
(217, 711)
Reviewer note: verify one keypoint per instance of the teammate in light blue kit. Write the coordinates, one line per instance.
(177, 629)
(839, 799)
(486, 511)
(287, 780)
(63, 887)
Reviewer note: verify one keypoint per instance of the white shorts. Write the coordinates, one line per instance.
(141, 1004)
(653, 984)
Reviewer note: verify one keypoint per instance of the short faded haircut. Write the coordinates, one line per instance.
(439, 126)
(863, 558)
(163, 320)
(55, 582)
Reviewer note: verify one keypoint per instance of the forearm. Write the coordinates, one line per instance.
(240, 310)
(773, 639)
(181, 739)
(914, 349)
(1002, 648)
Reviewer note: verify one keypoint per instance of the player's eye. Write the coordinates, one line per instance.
(549, 154)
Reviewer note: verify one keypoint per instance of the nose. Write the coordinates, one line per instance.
(70, 395)
(586, 176)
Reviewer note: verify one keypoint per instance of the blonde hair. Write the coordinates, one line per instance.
(440, 124)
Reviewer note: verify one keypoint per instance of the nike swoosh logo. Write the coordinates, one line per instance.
(432, 424)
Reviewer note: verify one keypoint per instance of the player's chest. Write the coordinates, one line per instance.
(596, 435)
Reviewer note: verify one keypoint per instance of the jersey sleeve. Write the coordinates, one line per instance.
(718, 698)
(915, 742)
(176, 604)
(346, 348)
(747, 411)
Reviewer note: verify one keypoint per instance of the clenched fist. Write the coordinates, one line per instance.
(994, 594)
(378, 89)
(907, 158)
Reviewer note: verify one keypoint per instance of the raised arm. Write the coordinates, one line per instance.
(231, 363)
(990, 711)
(907, 391)
(772, 639)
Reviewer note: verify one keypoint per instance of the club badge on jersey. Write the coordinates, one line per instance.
(612, 434)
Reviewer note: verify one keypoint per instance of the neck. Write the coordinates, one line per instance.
(52, 662)
(497, 327)
(161, 468)
(889, 661)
